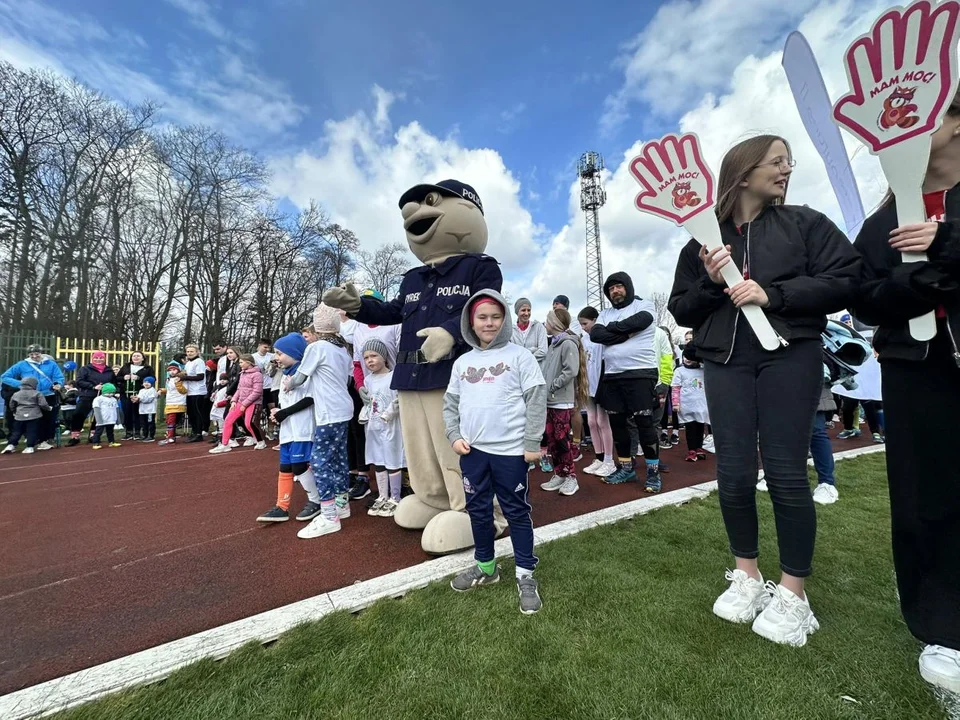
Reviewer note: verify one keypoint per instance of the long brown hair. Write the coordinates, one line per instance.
(582, 388)
(739, 162)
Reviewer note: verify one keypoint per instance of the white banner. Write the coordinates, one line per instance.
(816, 112)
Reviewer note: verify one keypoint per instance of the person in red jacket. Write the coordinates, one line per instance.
(245, 403)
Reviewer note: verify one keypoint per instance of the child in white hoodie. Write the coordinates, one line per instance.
(147, 400)
(494, 411)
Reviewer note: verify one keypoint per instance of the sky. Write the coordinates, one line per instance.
(352, 103)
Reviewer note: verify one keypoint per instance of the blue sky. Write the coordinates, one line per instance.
(352, 102)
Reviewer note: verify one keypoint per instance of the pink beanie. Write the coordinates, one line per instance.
(326, 320)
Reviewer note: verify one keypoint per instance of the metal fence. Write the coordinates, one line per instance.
(13, 346)
(118, 351)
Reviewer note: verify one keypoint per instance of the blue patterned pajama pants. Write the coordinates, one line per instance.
(329, 460)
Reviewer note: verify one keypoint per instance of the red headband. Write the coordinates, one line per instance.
(480, 302)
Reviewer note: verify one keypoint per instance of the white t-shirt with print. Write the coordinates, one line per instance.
(594, 353)
(298, 427)
(196, 367)
(491, 384)
(637, 353)
(693, 396)
(328, 367)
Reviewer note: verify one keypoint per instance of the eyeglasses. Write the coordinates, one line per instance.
(779, 163)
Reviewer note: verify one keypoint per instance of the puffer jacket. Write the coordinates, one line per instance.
(88, 377)
(250, 387)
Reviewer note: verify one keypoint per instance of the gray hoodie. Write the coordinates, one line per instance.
(28, 403)
(534, 339)
(534, 398)
(560, 370)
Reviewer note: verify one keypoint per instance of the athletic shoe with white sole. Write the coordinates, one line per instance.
(260, 446)
(592, 466)
(274, 515)
(219, 450)
(825, 494)
(529, 592)
(309, 512)
(388, 509)
(940, 666)
(377, 507)
(343, 506)
(319, 526)
(762, 486)
(743, 600)
(787, 619)
(553, 483)
(8, 449)
(473, 577)
(605, 470)
(27, 451)
(44, 446)
(250, 442)
(234, 444)
(569, 486)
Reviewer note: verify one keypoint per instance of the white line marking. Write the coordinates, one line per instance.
(159, 662)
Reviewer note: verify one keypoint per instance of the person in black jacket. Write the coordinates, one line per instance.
(798, 266)
(921, 393)
(89, 380)
(130, 378)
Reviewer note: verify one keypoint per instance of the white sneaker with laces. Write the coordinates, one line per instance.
(762, 486)
(787, 619)
(319, 526)
(44, 446)
(606, 470)
(825, 494)
(8, 449)
(234, 444)
(592, 466)
(250, 442)
(569, 486)
(940, 666)
(260, 446)
(377, 507)
(552, 484)
(743, 600)
(388, 508)
(220, 449)
(27, 451)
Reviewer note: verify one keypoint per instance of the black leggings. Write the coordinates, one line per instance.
(296, 468)
(871, 412)
(772, 395)
(84, 406)
(195, 405)
(646, 432)
(694, 432)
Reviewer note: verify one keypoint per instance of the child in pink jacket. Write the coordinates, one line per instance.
(245, 403)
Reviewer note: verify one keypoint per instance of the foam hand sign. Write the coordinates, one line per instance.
(678, 186)
(676, 182)
(903, 75)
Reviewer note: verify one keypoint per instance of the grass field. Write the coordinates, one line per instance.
(626, 632)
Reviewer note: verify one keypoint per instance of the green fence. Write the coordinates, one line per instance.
(13, 346)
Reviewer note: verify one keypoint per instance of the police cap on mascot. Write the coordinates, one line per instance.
(446, 230)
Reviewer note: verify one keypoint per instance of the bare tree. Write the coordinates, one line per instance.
(664, 317)
(383, 269)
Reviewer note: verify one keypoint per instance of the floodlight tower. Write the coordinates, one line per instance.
(592, 198)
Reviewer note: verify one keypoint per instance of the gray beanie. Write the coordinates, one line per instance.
(377, 346)
(520, 303)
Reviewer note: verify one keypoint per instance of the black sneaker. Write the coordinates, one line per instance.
(309, 512)
(73, 441)
(273, 515)
(360, 489)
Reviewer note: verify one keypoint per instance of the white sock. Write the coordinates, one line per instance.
(383, 484)
(309, 484)
(329, 510)
(523, 572)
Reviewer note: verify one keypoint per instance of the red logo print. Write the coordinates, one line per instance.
(897, 110)
(684, 197)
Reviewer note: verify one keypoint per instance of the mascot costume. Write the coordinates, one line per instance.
(446, 230)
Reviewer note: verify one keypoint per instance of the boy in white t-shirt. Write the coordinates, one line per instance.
(296, 436)
(327, 366)
(495, 410)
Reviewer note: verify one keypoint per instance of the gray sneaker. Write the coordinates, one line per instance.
(570, 485)
(553, 483)
(529, 596)
(474, 576)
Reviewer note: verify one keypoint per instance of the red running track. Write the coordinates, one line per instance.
(106, 553)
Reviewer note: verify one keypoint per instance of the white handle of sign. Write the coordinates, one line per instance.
(705, 228)
(905, 164)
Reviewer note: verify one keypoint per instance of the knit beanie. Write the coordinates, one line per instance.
(377, 346)
(292, 344)
(326, 320)
(150, 379)
(211, 364)
(174, 364)
(563, 300)
(522, 302)
(108, 389)
(29, 382)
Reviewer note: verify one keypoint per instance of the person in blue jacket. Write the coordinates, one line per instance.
(49, 382)
(446, 230)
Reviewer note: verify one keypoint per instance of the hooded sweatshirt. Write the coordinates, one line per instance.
(560, 370)
(28, 403)
(533, 338)
(496, 398)
(632, 316)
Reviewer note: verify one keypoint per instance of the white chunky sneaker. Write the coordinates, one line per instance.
(743, 600)
(260, 446)
(592, 466)
(569, 486)
(219, 449)
(825, 494)
(940, 666)
(250, 442)
(44, 446)
(606, 470)
(787, 619)
(8, 449)
(553, 483)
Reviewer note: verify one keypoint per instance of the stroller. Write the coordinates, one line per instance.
(844, 350)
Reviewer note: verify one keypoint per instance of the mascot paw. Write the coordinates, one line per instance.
(346, 298)
(413, 514)
(438, 343)
(448, 532)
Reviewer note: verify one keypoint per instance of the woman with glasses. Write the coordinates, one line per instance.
(797, 266)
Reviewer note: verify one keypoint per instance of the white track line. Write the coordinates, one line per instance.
(159, 662)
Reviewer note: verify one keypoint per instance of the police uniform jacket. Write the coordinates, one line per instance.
(431, 297)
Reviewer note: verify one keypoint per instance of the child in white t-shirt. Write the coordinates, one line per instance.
(295, 418)
(690, 402)
(106, 410)
(494, 411)
(327, 366)
(384, 441)
(147, 409)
